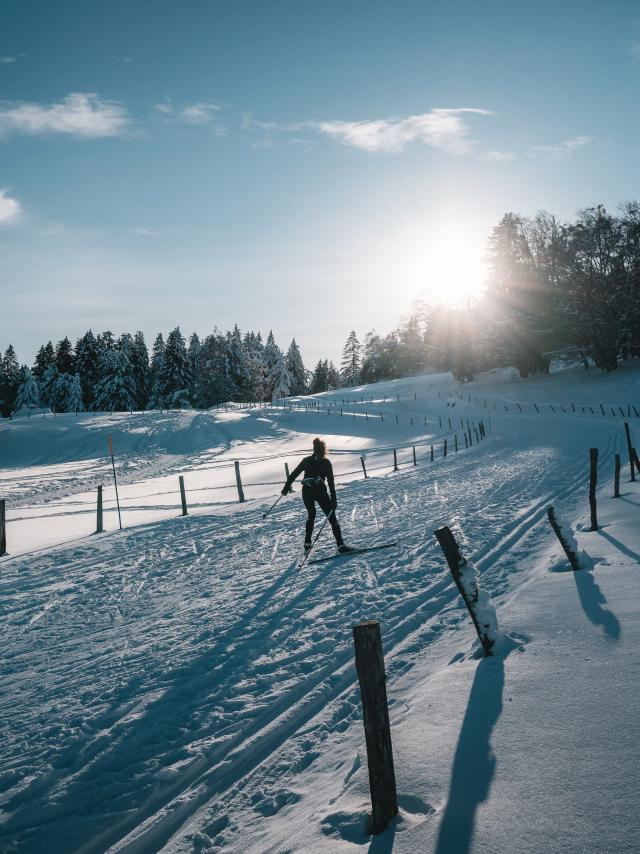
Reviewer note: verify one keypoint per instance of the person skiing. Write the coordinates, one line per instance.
(317, 468)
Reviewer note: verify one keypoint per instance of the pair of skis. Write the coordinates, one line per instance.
(351, 553)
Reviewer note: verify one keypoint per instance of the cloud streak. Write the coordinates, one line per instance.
(81, 114)
(442, 129)
(10, 209)
(562, 149)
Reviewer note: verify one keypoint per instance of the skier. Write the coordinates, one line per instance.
(317, 468)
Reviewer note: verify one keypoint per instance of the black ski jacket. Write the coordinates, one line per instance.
(313, 466)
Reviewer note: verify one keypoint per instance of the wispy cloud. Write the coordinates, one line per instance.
(496, 156)
(124, 59)
(442, 129)
(143, 232)
(81, 114)
(198, 113)
(7, 60)
(10, 209)
(562, 149)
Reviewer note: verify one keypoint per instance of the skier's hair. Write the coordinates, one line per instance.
(319, 447)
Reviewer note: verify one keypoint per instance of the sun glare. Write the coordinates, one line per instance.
(454, 271)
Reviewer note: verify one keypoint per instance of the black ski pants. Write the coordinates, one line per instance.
(311, 494)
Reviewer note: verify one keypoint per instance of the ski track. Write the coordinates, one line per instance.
(166, 676)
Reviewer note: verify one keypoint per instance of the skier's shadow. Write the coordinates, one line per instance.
(592, 599)
(474, 762)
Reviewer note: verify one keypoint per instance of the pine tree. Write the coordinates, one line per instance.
(238, 369)
(319, 379)
(45, 356)
(156, 399)
(296, 369)
(61, 392)
(333, 377)
(9, 381)
(351, 361)
(65, 361)
(48, 386)
(28, 396)
(213, 383)
(176, 374)
(74, 398)
(269, 367)
(115, 391)
(254, 357)
(87, 365)
(283, 378)
(139, 358)
(194, 350)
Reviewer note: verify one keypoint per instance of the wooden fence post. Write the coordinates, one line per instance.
(3, 527)
(375, 714)
(364, 468)
(239, 481)
(183, 496)
(593, 480)
(432, 453)
(395, 460)
(444, 449)
(99, 524)
(616, 482)
(630, 450)
(457, 566)
(415, 462)
(570, 553)
(455, 441)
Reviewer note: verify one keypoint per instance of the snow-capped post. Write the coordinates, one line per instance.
(99, 523)
(630, 450)
(364, 468)
(239, 481)
(395, 460)
(477, 600)
(415, 462)
(593, 480)
(567, 540)
(375, 715)
(616, 480)
(444, 449)
(432, 453)
(3, 528)
(183, 495)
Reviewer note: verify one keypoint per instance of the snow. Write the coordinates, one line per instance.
(181, 686)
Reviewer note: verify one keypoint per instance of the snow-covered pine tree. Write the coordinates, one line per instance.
(254, 356)
(283, 378)
(351, 360)
(87, 365)
(28, 396)
(139, 358)
(193, 351)
(75, 401)
(269, 367)
(48, 386)
(115, 391)
(176, 374)
(61, 391)
(333, 377)
(319, 379)
(156, 398)
(296, 369)
(9, 381)
(45, 356)
(238, 369)
(65, 360)
(213, 383)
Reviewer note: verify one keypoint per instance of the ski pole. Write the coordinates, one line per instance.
(266, 513)
(315, 539)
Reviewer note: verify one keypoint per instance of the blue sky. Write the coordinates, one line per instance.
(309, 167)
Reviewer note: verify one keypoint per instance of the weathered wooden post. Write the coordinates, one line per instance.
(99, 521)
(375, 714)
(364, 468)
(444, 449)
(239, 481)
(466, 584)
(440, 421)
(3, 527)
(593, 480)
(396, 419)
(572, 557)
(415, 462)
(455, 441)
(616, 481)
(432, 453)
(466, 441)
(183, 495)
(630, 450)
(395, 460)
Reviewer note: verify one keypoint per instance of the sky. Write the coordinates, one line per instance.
(306, 167)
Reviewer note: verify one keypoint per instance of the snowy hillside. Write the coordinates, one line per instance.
(181, 685)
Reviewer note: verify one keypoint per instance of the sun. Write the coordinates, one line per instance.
(453, 270)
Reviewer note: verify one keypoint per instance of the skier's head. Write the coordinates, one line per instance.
(319, 448)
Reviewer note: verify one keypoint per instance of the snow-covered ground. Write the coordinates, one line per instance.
(180, 685)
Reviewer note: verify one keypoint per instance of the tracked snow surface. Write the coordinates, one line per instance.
(182, 686)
